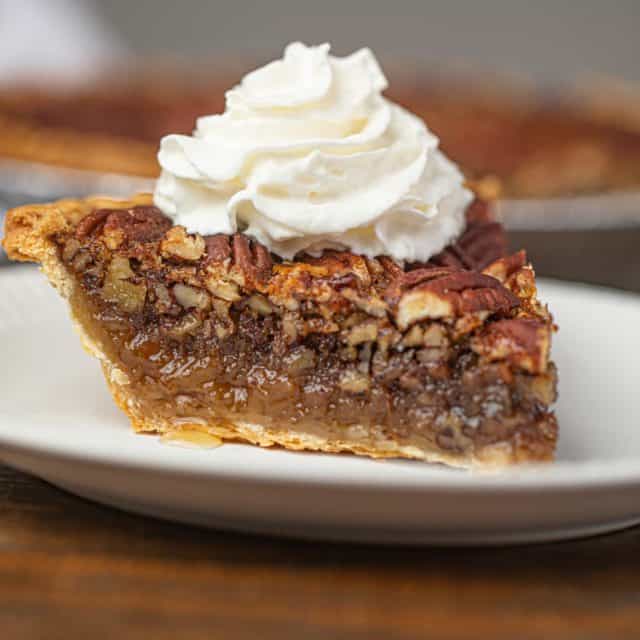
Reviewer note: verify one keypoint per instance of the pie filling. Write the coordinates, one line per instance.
(446, 360)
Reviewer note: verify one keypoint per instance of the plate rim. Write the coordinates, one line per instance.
(541, 479)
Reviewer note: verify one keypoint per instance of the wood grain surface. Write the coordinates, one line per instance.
(71, 569)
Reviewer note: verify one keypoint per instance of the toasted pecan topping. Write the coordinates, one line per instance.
(343, 267)
(392, 268)
(482, 242)
(479, 211)
(442, 293)
(142, 261)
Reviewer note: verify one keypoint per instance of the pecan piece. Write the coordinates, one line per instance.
(435, 336)
(138, 224)
(365, 332)
(343, 268)
(523, 342)
(70, 249)
(218, 248)
(119, 289)
(482, 242)
(414, 337)
(260, 305)
(177, 244)
(354, 381)
(90, 223)
(252, 261)
(113, 237)
(299, 361)
(479, 211)
(369, 303)
(187, 325)
(390, 267)
(446, 293)
(505, 267)
(223, 289)
(291, 327)
(163, 299)
(223, 324)
(190, 297)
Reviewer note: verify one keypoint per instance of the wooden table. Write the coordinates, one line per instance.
(71, 569)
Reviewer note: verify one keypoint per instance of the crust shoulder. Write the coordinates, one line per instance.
(29, 228)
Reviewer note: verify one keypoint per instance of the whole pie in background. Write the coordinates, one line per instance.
(508, 144)
(113, 127)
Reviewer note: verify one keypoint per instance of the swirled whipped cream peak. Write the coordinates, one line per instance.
(310, 155)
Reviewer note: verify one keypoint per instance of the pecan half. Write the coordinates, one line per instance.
(90, 223)
(247, 262)
(218, 248)
(252, 261)
(137, 224)
(505, 267)
(446, 293)
(482, 242)
(523, 342)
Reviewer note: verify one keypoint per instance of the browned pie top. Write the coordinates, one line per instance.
(154, 272)
(146, 234)
(131, 113)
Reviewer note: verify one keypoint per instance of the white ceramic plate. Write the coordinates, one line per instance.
(58, 422)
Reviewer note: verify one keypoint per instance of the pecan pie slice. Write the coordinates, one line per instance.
(446, 361)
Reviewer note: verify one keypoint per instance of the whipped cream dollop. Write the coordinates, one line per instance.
(310, 155)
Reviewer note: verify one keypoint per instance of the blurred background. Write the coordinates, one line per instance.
(548, 40)
(537, 101)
